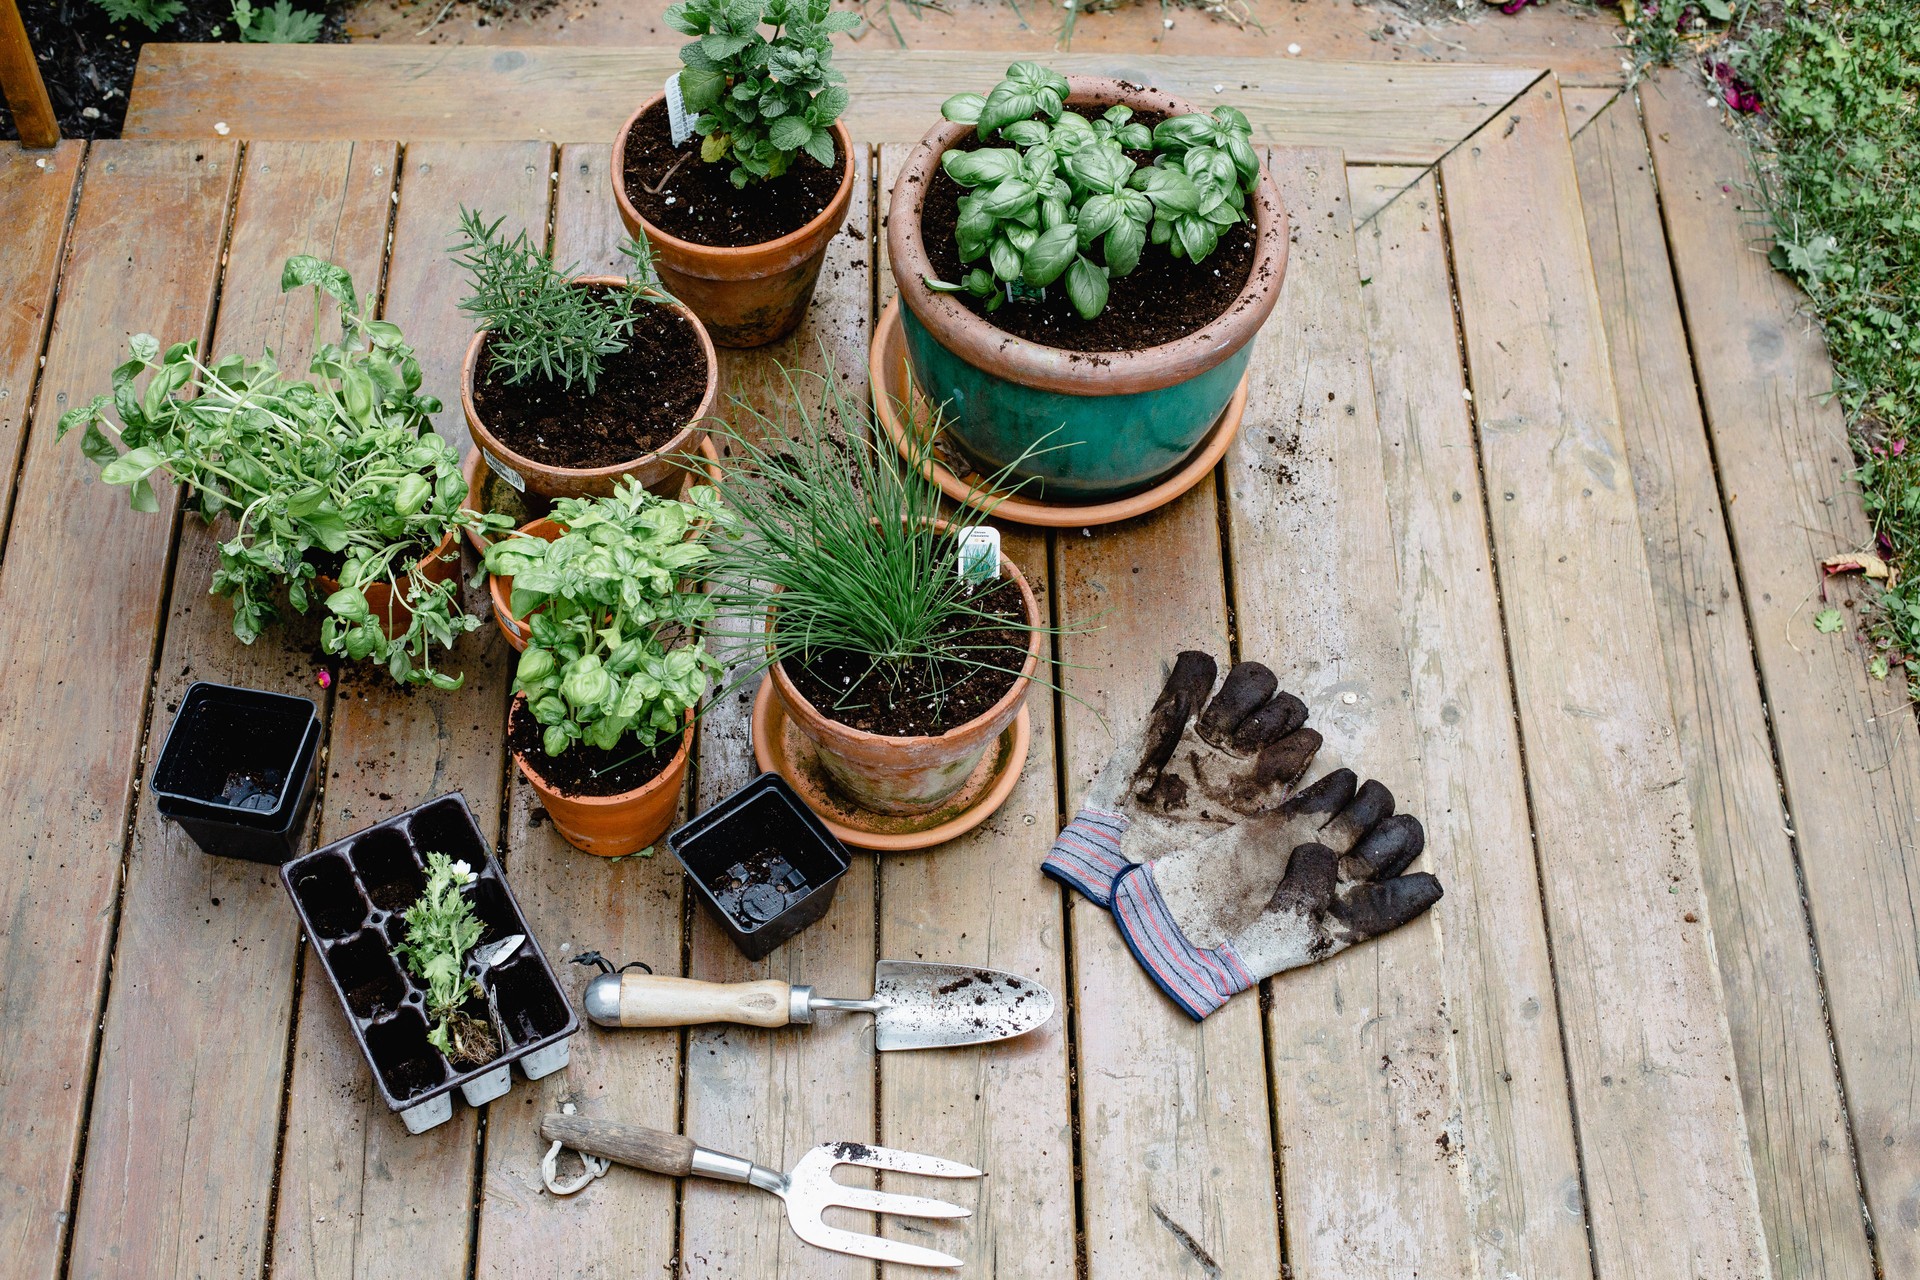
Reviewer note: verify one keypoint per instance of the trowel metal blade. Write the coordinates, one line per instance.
(936, 1006)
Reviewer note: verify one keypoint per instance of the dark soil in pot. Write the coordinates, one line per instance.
(699, 203)
(643, 397)
(1164, 298)
(929, 699)
(572, 772)
(759, 887)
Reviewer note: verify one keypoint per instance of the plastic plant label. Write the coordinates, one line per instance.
(1021, 291)
(979, 554)
(680, 122)
(505, 472)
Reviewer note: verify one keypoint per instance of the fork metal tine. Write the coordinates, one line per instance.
(913, 1255)
(869, 1201)
(900, 1161)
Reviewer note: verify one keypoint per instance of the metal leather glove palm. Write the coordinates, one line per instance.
(1240, 878)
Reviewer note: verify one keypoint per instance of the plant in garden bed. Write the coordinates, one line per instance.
(338, 476)
(576, 380)
(772, 162)
(442, 932)
(613, 663)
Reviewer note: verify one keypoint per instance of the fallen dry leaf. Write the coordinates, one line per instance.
(1856, 562)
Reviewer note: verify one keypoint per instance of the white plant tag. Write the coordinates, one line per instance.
(979, 554)
(505, 472)
(680, 122)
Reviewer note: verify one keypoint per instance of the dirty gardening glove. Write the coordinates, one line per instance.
(1247, 879)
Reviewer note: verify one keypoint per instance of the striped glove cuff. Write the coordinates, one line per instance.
(1086, 854)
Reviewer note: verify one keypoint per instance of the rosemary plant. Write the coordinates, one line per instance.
(541, 322)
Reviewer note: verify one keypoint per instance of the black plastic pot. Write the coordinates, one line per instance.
(766, 867)
(351, 895)
(236, 771)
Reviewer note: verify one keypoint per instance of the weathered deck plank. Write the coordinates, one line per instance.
(1848, 749)
(1361, 1051)
(980, 900)
(1512, 1133)
(83, 588)
(629, 909)
(772, 1095)
(180, 1161)
(1803, 1164)
(36, 194)
(359, 1196)
(1406, 113)
(1663, 1146)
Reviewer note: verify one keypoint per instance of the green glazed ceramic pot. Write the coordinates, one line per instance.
(1108, 423)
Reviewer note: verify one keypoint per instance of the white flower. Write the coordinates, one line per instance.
(464, 873)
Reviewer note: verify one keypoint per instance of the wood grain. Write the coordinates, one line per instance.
(1848, 749)
(629, 909)
(180, 1161)
(1511, 1133)
(36, 193)
(1583, 106)
(1797, 1125)
(1372, 187)
(358, 1195)
(772, 1095)
(981, 900)
(1648, 1049)
(83, 587)
(1404, 113)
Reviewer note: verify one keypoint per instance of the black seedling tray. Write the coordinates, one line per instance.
(236, 771)
(351, 895)
(764, 865)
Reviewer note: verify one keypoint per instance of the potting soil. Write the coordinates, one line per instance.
(687, 198)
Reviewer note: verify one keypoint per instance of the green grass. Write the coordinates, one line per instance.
(1837, 163)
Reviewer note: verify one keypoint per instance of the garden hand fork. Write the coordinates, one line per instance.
(807, 1190)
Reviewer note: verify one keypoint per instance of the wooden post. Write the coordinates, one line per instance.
(20, 80)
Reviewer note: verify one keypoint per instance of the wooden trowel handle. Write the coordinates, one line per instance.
(649, 1000)
(631, 1144)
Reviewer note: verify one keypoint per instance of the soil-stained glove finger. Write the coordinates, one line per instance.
(1246, 690)
(1371, 805)
(1186, 687)
(1307, 888)
(1269, 724)
(1324, 798)
(1386, 850)
(1278, 766)
(1369, 910)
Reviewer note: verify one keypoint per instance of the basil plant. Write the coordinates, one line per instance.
(342, 466)
(1065, 202)
(614, 651)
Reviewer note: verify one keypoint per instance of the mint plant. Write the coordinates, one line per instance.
(537, 319)
(342, 466)
(1065, 202)
(613, 653)
(762, 99)
(442, 932)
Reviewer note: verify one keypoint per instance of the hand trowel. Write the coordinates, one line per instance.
(914, 1005)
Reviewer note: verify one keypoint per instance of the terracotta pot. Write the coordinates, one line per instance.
(908, 775)
(614, 826)
(442, 564)
(656, 470)
(681, 479)
(1130, 417)
(500, 587)
(750, 295)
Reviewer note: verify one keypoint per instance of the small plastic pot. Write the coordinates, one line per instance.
(613, 826)
(236, 772)
(792, 864)
(753, 294)
(350, 897)
(658, 470)
(442, 564)
(500, 587)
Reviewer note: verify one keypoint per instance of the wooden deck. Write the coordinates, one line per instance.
(1527, 505)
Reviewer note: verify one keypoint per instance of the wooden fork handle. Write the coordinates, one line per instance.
(652, 1149)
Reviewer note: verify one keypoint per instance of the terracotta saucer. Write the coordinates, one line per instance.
(780, 747)
(484, 486)
(887, 363)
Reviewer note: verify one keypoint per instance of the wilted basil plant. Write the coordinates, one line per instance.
(1065, 201)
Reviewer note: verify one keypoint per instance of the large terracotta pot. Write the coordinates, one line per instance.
(500, 587)
(750, 295)
(441, 564)
(911, 775)
(1130, 417)
(657, 470)
(615, 826)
